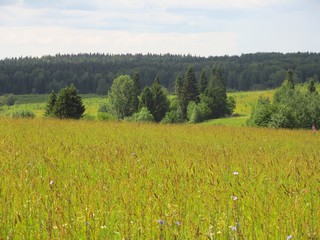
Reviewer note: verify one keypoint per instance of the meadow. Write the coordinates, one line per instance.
(36, 103)
(115, 180)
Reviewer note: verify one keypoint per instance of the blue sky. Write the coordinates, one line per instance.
(197, 27)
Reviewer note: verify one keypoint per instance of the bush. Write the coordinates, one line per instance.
(105, 116)
(231, 105)
(173, 116)
(290, 109)
(8, 99)
(142, 116)
(282, 118)
(23, 114)
(261, 113)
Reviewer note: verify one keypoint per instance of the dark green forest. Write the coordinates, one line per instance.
(94, 73)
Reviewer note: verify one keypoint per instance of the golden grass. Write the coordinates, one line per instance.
(95, 180)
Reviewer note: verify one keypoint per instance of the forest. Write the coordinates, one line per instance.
(94, 73)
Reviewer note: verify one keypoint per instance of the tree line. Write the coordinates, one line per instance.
(94, 73)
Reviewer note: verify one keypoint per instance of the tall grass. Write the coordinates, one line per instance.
(95, 180)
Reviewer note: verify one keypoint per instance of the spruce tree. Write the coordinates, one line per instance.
(137, 90)
(50, 105)
(160, 101)
(203, 83)
(146, 99)
(179, 86)
(190, 86)
(189, 91)
(216, 95)
(68, 104)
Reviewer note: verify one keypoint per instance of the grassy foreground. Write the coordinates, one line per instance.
(95, 180)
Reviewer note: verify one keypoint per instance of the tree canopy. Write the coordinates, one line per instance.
(94, 73)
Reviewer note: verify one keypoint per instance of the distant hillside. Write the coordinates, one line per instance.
(94, 73)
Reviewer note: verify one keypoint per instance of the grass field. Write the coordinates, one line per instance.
(106, 180)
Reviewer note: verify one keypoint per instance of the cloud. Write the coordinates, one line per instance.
(61, 40)
(206, 27)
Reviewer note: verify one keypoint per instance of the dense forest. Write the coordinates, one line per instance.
(94, 73)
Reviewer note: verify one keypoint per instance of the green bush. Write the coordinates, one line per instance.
(106, 116)
(142, 116)
(261, 113)
(23, 114)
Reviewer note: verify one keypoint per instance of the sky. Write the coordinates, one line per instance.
(196, 27)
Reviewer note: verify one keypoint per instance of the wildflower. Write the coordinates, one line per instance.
(103, 227)
(235, 173)
(234, 198)
(289, 237)
(55, 227)
(160, 221)
(233, 228)
(178, 223)
(51, 182)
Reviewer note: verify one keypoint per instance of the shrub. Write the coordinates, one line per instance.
(23, 114)
(105, 116)
(261, 113)
(142, 116)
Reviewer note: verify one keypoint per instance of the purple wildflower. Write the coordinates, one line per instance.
(160, 221)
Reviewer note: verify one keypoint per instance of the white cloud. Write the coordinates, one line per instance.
(61, 40)
(200, 27)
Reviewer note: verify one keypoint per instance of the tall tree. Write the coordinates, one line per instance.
(122, 96)
(146, 99)
(215, 95)
(160, 101)
(203, 82)
(190, 86)
(179, 86)
(137, 90)
(189, 91)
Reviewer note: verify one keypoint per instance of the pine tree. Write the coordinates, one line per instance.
(146, 99)
(190, 86)
(137, 90)
(179, 86)
(203, 83)
(189, 91)
(160, 101)
(215, 95)
(51, 103)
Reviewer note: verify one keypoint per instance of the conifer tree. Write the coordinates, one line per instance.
(190, 86)
(68, 104)
(179, 86)
(189, 91)
(160, 101)
(203, 83)
(51, 103)
(146, 99)
(137, 90)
